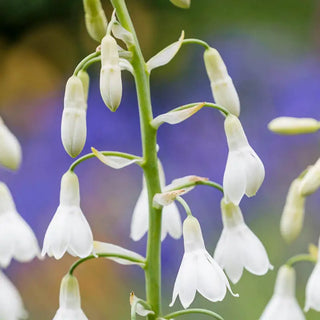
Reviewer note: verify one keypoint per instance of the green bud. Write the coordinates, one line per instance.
(184, 4)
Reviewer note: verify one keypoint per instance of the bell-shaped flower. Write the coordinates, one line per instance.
(69, 300)
(293, 212)
(11, 304)
(73, 123)
(244, 171)
(238, 246)
(313, 288)
(171, 220)
(17, 240)
(95, 19)
(68, 230)
(222, 86)
(283, 304)
(198, 270)
(110, 73)
(184, 4)
(310, 182)
(290, 125)
(10, 149)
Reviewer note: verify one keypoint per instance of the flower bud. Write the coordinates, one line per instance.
(184, 4)
(222, 86)
(293, 212)
(73, 124)
(290, 125)
(95, 19)
(310, 183)
(84, 77)
(10, 149)
(110, 74)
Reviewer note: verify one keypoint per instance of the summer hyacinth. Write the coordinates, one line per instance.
(238, 246)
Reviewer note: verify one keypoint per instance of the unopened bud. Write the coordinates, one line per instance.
(73, 124)
(110, 74)
(184, 4)
(10, 149)
(222, 86)
(310, 183)
(293, 212)
(84, 77)
(95, 18)
(290, 125)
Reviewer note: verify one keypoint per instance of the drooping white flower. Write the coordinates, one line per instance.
(68, 230)
(313, 288)
(283, 304)
(95, 19)
(110, 73)
(293, 212)
(238, 246)
(69, 300)
(11, 304)
(17, 240)
(222, 86)
(10, 149)
(73, 123)
(171, 220)
(198, 270)
(310, 183)
(244, 171)
(291, 125)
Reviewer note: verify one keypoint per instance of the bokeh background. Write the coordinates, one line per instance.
(271, 49)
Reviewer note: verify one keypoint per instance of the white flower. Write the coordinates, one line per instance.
(69, 229)
(11, 305)
(198, 270)
(17, 240)
(110, 73)
(10, 149)
(238, 246)
(244, 171)
(293, 212)
(283, 304)
(73, 123)
(222, 86)
(69, 301)
(313, 288)
(171, 221)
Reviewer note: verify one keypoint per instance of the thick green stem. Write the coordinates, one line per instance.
(150, 164)
(300, 258)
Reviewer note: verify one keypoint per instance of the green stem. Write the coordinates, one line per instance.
(90, 62)
(185, 205)
(105, 255)
(105, 153)
(199, 182)
(84, 61)
(150, 164)
(188, 311)
(196, 41)
(300, 258)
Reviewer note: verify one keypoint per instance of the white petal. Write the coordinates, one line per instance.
(172, 220)
(254, 171)
(166, 198)
(103, 247)
(81, 239)
(114, 162)
(123, 34)
(174, 117)
(66, 314)
(313, 290)
(234, 179)
(125, 65)
(140, 217)
(186, 283)
(228, 256)
(6, 243)
(211, 281)
(166, 55)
